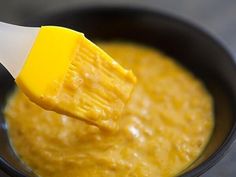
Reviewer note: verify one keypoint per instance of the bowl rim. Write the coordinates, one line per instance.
(118, 8)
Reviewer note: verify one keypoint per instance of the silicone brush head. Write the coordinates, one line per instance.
(67, 73)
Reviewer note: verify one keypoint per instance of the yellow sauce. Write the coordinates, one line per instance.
(163, 129)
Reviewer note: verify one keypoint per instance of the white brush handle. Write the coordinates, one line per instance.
(15, 44)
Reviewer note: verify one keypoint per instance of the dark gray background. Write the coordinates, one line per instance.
(216, 16)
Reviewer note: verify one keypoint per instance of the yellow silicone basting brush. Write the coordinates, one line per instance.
(60, 70)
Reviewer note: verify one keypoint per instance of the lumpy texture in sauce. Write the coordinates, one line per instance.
(163, 129)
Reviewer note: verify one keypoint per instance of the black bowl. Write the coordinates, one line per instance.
(192, 47)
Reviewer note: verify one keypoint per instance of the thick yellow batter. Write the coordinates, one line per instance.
(164, 128)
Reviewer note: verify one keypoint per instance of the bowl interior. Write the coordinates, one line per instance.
(187, 44)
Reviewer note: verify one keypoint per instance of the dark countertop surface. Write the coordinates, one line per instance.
(216, 16)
